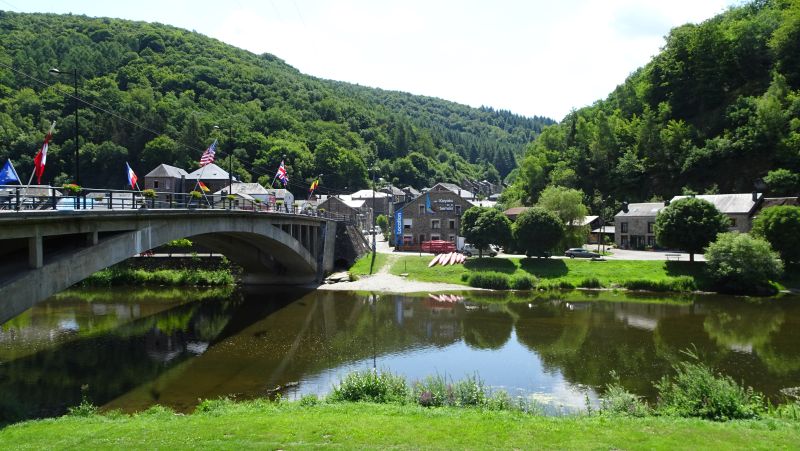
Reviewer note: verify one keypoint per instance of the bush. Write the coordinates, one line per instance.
(591, 282)
(149, 193)
(464, 277)
(779, 226)
(618, 401)
(677, 284)
(196, 194)
(490, 280)
(537, 231)
(522, 283)
(71, 189)
(371, 386)
(436, 391)
(696, 391)
(739, 263)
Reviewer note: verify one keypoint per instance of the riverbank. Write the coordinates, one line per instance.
(189, 271)
(264, 424)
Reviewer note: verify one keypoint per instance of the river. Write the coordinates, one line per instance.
(128, 349)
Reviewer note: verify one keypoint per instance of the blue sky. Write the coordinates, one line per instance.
(530, 57)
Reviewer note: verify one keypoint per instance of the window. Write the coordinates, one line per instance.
(436, 224)
(421, 209)
(651, 241)
(458, 209)
(407, 223)
(623, 227)
(421, 237)
(649, 226)
(435, 237)
(624, 242)
(452, 224)
(733, 222)
(408, 239)
(155, 184)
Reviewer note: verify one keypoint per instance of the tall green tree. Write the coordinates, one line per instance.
(780, 226)
(567, 203)
(537, 231)
(484, 226)
(689, 224)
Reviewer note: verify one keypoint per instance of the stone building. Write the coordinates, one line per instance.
(435, 215)
(355, 212)
(381, 203)
(167, 181)
(634, 228)
(213, 176)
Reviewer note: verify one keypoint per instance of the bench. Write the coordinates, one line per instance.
(673, 256)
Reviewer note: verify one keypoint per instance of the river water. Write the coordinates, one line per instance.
(131, 348)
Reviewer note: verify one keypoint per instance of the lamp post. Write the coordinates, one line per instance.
(56, 71)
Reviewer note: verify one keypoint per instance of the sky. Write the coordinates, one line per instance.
(530, 57)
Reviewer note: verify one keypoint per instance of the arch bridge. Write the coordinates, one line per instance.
(43, 252)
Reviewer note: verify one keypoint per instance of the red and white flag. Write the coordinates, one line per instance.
(132, 179)
(41, 157)
(208, 155)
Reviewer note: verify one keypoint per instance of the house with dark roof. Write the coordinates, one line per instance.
(167, 181)
(213, 176)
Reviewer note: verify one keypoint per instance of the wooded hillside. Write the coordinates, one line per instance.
(715, 110)
(153, 93)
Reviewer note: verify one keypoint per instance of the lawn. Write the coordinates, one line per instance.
(265, 425)
(609, 273)
(368, 264)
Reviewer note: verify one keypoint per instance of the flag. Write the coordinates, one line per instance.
(313, 187)
(8, 174)
(281, 175)
(428, 208)
(203, 186)
(208, 155)
(41, 157)
(131, 176)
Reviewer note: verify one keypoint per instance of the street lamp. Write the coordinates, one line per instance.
(55, 71)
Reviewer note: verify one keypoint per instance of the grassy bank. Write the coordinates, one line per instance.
(563, 273)
(122, 275)
(261, 424)
(368, 264)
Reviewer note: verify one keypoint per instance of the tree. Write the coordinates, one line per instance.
(537, 231)
(782, 182)
(567, 203)
(781, 227)
(689, 224)
(485, 226)
(383, 222)
(738, 262)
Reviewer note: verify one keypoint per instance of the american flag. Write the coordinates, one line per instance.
(208, 155)
(281, 175)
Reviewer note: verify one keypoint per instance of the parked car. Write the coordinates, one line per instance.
(469, 250)
(580, 253)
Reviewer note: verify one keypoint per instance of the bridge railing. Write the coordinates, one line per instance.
(15, 198)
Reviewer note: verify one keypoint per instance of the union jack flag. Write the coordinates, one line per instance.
(281, 175)
(208, 155)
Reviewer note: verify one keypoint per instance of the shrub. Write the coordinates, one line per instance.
(71, 188)
(523, 282)
(371, 386)
(149, 193)
(779, 226)
(491, 280)
(618, 401)
(309, 400)
(739, 263)
(196, 195)
(537, 231)
(591, 282)
(677, 284)
(436, 391)
(695, 391)
(464, 277)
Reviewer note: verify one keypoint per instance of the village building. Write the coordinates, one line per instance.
(435, 215)
(452, 187)
(380, 203)
(513, 213)
(247, 191)
(355, 212)
(398, 196)
(634, 229)
(213, 176)
(167, 181)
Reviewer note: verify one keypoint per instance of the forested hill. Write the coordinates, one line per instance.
(715, 110)
(153, 94)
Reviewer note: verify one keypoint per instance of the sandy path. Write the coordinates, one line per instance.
(384, 282)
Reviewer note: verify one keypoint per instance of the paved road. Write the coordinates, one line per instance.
(616, 254)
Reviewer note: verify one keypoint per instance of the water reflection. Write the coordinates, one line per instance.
(558, 347)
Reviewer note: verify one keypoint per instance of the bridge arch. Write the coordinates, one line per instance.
(272, 248)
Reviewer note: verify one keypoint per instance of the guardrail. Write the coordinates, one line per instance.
(14, 198)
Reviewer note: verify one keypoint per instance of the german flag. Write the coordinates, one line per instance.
(203, 187)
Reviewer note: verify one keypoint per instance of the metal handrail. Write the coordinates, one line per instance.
(14, 198)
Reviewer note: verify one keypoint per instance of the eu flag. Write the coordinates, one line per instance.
(8, 174)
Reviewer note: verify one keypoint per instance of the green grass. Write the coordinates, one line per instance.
(265, 425)
(560, 272)
(365, 265)
(121, 275)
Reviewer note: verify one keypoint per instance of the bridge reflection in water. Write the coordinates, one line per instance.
(558, 347)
